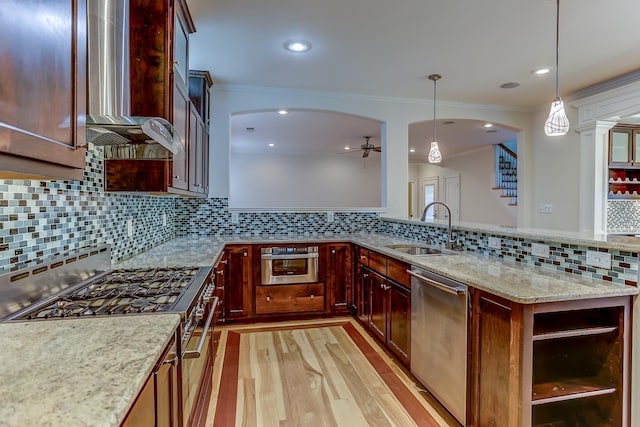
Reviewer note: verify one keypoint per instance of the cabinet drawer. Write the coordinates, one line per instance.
(397, 271)
(289, 298)
(378, 262)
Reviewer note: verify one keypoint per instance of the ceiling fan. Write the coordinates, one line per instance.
(366, 148)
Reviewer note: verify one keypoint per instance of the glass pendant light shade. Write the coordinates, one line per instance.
(434, 153)
(557, 123)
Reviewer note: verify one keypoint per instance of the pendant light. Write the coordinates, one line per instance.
(557, 123)
(434, 151)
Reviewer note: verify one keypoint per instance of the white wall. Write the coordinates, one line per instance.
(280, 180)
(478, 202)
(554, 174)
(396, 115)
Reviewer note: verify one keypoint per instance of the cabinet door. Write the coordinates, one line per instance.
(181, 124)
(43, 86)
(180, 51)
(496, 361)
(195, 168)
(363, 294)
(378, 318)
(220, 277)
(238, 295)
(339, 277)
(399, 329)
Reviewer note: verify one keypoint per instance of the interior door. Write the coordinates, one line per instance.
(430, 190)
(452, 195)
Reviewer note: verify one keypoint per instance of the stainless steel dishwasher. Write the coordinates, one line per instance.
(439, 338)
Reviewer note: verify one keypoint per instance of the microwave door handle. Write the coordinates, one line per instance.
(290, 256)
(194, 354)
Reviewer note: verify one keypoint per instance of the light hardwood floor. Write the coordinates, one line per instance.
(312, 373)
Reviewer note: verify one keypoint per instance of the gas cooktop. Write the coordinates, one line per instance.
(120, 292)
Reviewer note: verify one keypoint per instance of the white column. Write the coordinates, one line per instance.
(395, 170)
(594, 175)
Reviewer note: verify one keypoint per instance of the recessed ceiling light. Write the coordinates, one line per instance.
(283, 112)
(448, 122)
(347, 148)
(488, 125)
(509, 85)
(541, 71)
(297, 46)
(271, 144)
(491, 131)
(412, 150)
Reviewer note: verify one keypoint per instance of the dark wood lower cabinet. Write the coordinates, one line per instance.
(238, 295)
(550, 364)
(339, 277)
(399, 321)
(384, 306)
(284, 299)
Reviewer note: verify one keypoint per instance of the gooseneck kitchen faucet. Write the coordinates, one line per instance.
(450, 240)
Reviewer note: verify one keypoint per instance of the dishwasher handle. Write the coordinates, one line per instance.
(458, 290)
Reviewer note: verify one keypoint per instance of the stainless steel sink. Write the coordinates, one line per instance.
(415, 249)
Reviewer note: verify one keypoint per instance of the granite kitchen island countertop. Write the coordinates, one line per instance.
(78, 372)
(524, 284)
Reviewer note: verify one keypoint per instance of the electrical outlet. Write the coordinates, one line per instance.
(538, 249)
(330, 216)
(235, 217)
(164, 219)
(129, 227)
(599, 259)
(495, 243)
(545, 208)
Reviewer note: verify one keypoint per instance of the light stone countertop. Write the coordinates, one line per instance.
(78, 372)
(524, 284)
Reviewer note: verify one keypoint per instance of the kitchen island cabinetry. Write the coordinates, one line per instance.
(383, 301)
(556, 363)
(42, 119)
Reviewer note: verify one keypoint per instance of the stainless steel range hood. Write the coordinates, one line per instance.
(109, 121)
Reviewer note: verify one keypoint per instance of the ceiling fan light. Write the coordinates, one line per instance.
(435, 156)
(557, 123)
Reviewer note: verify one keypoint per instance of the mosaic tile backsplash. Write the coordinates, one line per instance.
(623, 216)
(212, 217)
(40, 220)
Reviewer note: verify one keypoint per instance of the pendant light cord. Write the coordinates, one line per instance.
(434, 109)
(557, 44)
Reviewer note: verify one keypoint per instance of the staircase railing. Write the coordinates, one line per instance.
(507, 173)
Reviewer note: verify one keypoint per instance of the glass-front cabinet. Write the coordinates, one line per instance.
(624, 162)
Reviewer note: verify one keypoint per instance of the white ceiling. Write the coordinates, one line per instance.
(387, 48)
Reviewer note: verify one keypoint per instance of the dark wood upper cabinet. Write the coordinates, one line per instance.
(43, 88)
(159, 50)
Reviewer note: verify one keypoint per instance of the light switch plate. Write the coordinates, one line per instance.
(164, 219)
(129, 227)
(599, 259)
(330, 216)
(235, 217)
(538, 249)
(495, 243)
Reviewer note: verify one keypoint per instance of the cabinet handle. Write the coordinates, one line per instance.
(176, 177)
(365, 275)
(176, 62)
(220, 272)
(224, 261)
(245, 253)
(312, 295)
(268, 299)
(363, 256)
(333, 251)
